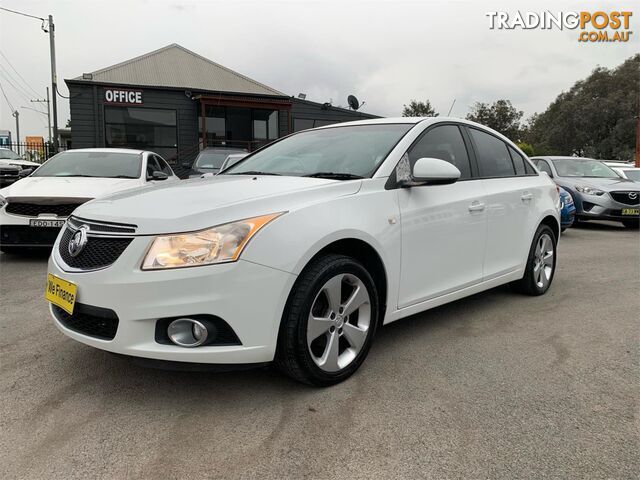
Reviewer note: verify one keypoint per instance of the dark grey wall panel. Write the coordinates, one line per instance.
(305, 110)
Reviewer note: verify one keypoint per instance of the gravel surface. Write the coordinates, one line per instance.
(497, 385)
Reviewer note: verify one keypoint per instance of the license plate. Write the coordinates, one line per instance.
(61, 293)
(36, 222)
(631, 211)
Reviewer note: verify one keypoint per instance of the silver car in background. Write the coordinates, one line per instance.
(598, 192)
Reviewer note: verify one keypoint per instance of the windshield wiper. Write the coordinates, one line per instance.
(120, 176)
(334, 175)
(253, 172)
(76, 175)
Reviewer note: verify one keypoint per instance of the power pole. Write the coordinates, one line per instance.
(47, 101)
(16, 114)
(54, 82)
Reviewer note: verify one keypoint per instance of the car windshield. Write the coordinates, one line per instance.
(575, 167)
(6, 154)
(92, 164)
(335, 152)
(211, 159)
(633, 174)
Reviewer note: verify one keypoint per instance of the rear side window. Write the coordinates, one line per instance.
(444, 142)
(518, 161)
(522, 166)
(543, 166)
(493, 157)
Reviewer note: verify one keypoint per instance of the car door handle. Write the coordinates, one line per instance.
(476, 207)
(526, 196)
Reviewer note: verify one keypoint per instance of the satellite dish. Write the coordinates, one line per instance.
(353, 102)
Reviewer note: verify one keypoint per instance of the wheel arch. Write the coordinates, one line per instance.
(552, 223)
(359, 248)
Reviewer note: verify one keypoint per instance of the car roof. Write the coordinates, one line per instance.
(223, 150)
(108, 150)
(402, 120)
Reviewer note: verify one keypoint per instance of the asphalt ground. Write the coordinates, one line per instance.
(497, 385)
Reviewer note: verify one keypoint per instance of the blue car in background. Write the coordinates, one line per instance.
(567, 209)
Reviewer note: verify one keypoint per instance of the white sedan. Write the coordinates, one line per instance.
(302, 250)
(33, 209)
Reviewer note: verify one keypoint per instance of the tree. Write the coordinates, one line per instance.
(596, 118)
(527, 148)
(419, 109)
(501, 116)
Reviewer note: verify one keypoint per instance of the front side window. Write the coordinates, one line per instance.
(164, 166)
(444, 142)
(91, 164)
(355, 150)
(633, 174)
(493, 157)
(543, 166)
(576, 167)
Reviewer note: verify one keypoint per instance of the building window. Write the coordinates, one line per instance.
(265, 124)
(143, 128)
(239, 127)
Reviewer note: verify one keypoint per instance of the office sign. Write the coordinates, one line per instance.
(118, 96)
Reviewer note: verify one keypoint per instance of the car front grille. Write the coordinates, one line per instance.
(628, 198)
(99, 252)
(29, 209)
(26, 236)
(102, 227)
(89, 320)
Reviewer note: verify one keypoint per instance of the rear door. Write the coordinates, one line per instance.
(443, 226)
(512, 195)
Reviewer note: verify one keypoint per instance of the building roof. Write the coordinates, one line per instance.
(174, 66)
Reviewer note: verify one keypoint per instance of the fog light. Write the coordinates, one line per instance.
(187, 332)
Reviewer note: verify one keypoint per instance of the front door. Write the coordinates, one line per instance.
(443, 226)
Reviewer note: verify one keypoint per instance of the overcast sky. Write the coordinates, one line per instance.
(384, 52)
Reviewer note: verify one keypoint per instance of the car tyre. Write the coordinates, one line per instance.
(541, 263)
(329, 321)
(631, 224)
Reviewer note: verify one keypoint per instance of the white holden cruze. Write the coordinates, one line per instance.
(300, 252)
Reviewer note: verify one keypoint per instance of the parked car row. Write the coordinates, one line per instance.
(323, 236)
(597, 191)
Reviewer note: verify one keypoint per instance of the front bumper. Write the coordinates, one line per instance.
(248, 296)
(16, 232)
(603, 207)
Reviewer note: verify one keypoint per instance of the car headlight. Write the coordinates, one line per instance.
(3, 202)
(589, 190)
(223, 243)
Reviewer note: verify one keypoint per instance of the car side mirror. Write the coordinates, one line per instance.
(548, 174)
(25, 172)
(159, 176)
(431, 171)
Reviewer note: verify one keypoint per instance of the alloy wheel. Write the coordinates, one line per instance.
(338, 322)
(543, 261)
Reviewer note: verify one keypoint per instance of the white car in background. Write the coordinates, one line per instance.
(299, 252)
(33, 209)
(625, 170)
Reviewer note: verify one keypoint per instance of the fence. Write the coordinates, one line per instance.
(32, 151)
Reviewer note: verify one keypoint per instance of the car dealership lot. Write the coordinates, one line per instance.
(498, 385)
